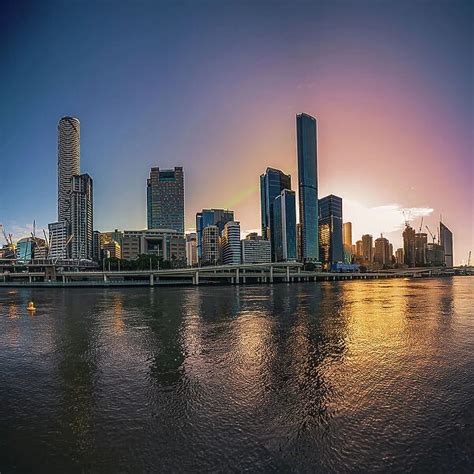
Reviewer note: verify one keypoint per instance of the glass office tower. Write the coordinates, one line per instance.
(308, 186)
(330, 230)
(446, 241)
(284, 225)
(272, 183)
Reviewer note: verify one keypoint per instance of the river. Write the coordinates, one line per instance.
(306, 377)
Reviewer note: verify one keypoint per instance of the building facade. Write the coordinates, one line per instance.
(399, 257)
(59, 247)
(165, 199)
(367, 249)
(382, 252)
(409, 246)
(446, 241)
(167, 244)
(272, 183)
(421, 245)
(347, 241)
(284, 223)
(256, 249)
(191, 249)
(81, 223)
(306, 137)
(112, 249)
(69, 152)
(230, 243)
(207, 217)
(330, 230)
(211, 249)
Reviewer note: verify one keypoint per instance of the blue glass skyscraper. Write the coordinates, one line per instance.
(272, 183)
(330, 230)
(308, 186)
(284, 221)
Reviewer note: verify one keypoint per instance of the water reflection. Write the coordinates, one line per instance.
(306, 377)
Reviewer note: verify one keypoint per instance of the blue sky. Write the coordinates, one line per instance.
(215, 86)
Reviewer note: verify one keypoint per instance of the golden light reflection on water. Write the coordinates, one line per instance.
(117, 307)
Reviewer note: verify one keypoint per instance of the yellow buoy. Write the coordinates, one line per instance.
(31, 306)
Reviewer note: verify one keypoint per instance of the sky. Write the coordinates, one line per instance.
(214, 86)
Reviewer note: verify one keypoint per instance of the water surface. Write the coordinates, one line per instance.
(334, 376)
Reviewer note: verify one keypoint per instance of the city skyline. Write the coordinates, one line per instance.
(372, 182)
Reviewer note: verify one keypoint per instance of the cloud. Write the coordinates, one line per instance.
(380, 219)
(19, 231)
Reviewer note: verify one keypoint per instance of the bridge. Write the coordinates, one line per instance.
(54, 275)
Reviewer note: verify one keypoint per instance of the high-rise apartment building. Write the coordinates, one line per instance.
(399, 257)
(230, 243)
(359, 249)
(69, 152)
(367, 248)
(207, 217)
(409, 245)
(446, 241)
(330, 230)
(58, 240)
(272, 183)
(284, 224)
(210, 242)
(81, 217)
(308, 186)
(382, 251)
(165, 199)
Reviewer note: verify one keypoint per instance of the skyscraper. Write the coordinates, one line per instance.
(211, 248)
(409, 246)
(217, 217)
(69, 132)
(347, 240)
(382, 251)
(308, 186)
(330, 230)
(367, 249)
(230, 243)
(272, 183)
(165, 199)
(58, 240)
(399, 257)
(421, 245)
(284, 223)
(82, 217)
(446, 241)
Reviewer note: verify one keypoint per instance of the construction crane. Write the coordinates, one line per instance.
(68, 241)
(421, 225)
(8, 238)
(432, 236)
(405, 217)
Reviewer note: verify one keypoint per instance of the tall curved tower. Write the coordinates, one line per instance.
(69, 152)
